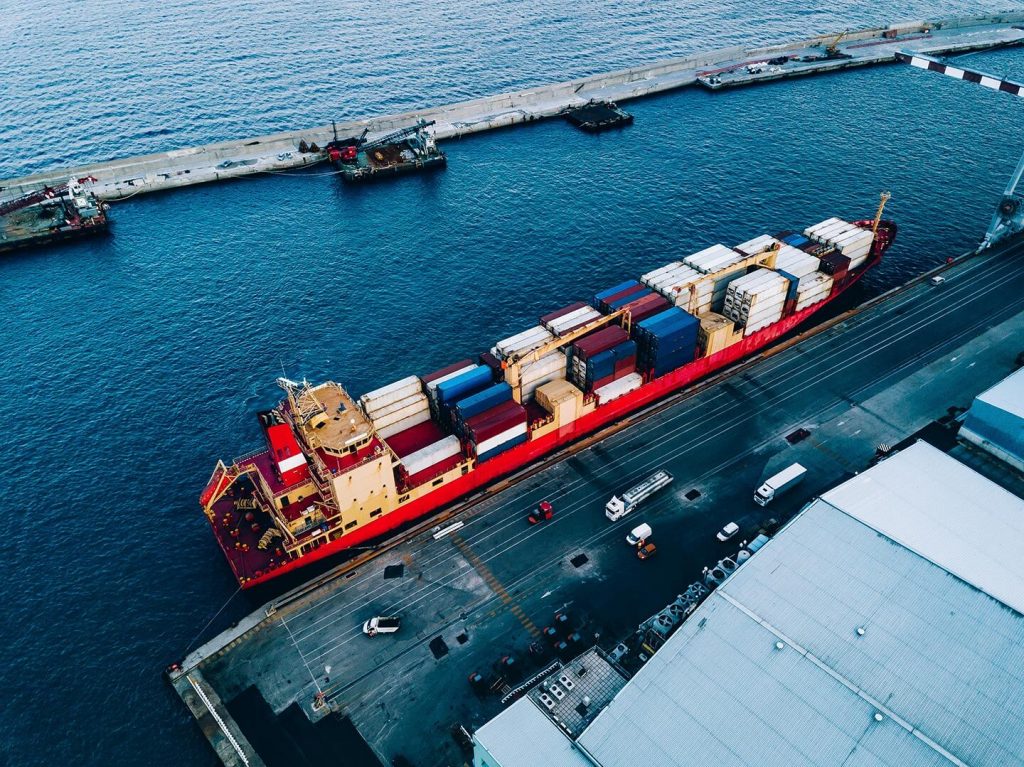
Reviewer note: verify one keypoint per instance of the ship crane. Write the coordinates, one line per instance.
(418, 130)
(1008, 219)
(832, 49)
(33, 197)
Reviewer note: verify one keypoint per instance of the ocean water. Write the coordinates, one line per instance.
(130, 363)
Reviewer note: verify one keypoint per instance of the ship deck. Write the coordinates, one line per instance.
(880, 375)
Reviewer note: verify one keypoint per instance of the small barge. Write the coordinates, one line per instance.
(51, 214)
(598, 116)
(409, 149)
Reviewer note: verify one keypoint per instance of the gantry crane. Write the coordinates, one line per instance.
(1008, 219)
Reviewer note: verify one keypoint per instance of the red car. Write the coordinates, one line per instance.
(544, 512)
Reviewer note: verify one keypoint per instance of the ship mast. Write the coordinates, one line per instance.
(883, 199)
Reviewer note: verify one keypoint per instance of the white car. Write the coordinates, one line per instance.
(728, 532)
(382, 625)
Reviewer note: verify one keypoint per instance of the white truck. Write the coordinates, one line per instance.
(779, 483)
(618, 507)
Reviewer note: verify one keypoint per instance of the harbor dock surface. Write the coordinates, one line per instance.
(124, 178)
(300, 671)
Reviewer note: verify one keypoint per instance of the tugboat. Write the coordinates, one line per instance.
(50, 214)
(408, 149)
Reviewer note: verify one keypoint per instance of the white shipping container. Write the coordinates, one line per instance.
(656, 273)
(392, 407)
(772, 313)
(396, 416)
(821, 225)
(391, 392)
(835, 232)
(811, 299)
(407, 423)
(525, 342)
(618, 388)
(850, 237)
(560, 328)
(796, 262)
(676, 275)
(566, 319)
(500, 439)
(431, 455)
(816, 281)
(714, 254)
(758, 244)
(547, 365)
(432, 385)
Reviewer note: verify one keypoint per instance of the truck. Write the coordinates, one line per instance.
(779, 483)
(618, 507)
(382, 624)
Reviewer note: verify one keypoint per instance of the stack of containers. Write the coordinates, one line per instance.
(789, 258)
(666, 341)
(475, 404)
(396, 407)
(716, 260)
(646, 306)
(756, 300)
(605, 297)
(523, 343)
(431, 455)
(849, 239)
(570, 318)
(674, 283)
(496, 430)
(431, 380)
(813, 289)
(618, 388)
(550, 367)
(592, 358)
(607, 366)
(450, 391)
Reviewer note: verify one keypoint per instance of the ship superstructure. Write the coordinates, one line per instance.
(50, 214)
(337, 472)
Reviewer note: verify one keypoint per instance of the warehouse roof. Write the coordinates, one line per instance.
(945, 512)
(839, 643)
(1007, 395)
(522, 735)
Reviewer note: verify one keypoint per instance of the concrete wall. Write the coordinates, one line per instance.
(120, 179)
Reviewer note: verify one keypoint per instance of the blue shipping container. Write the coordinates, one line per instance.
(463, 385)
(794, 283)
(601, 365)
(796, 240)
(501, 448)
(613, 291)
(474, 404)
(618, 303)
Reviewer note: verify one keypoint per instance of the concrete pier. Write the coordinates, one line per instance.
(876, 375)
(121, 179)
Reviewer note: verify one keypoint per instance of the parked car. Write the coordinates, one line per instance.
(542, 513)
(381, 624)
(728, 532)
(646, 551)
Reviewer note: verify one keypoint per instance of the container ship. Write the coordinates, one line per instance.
(51, 214)
(336, 472)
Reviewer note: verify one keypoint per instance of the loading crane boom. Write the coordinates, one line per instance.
(398, 135)
(832, 48)
(1008, 218)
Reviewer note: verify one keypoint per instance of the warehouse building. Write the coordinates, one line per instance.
(995, 421)
(883, 626)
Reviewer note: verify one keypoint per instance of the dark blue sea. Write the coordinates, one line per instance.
(131, 363)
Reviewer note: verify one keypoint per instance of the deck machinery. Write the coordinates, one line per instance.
(411, 148)
(51, 214)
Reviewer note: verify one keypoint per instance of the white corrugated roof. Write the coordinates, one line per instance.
(522, 736)
(947, 513)
(1007, 395)
(939, 660)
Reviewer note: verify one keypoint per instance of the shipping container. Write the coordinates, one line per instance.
(431, 455)
(501, 449)
(455, 388)
(501, 438)
(491, 361)
(393, 392)
(495, 420)
(552, 316)
(485, 399)
(587, 316)
(795, 240)
(599, 341)
(757, 245)
(607, 303)
(446, 374)
(618, 388)
(835, 264)
(407, 423)
(655, 274)
(618, 303)
(419, 398)
(611, 291)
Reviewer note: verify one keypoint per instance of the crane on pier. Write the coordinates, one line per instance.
(72, 188)
(1008, 218)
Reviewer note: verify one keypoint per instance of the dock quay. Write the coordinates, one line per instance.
(124, 178)
(300, 671)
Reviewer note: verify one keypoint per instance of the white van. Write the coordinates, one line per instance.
(639, 533)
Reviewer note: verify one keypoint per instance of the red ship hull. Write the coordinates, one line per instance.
(534, 449)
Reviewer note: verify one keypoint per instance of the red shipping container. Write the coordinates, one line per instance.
(561, 312)
(495, 421)
(625, 365)
(600, 341)
(605, 302)
(446, 370)
(493, 363)
(602, 382)
(494, 428)
(643, 313)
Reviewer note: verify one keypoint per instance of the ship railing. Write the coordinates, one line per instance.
(249, 456)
